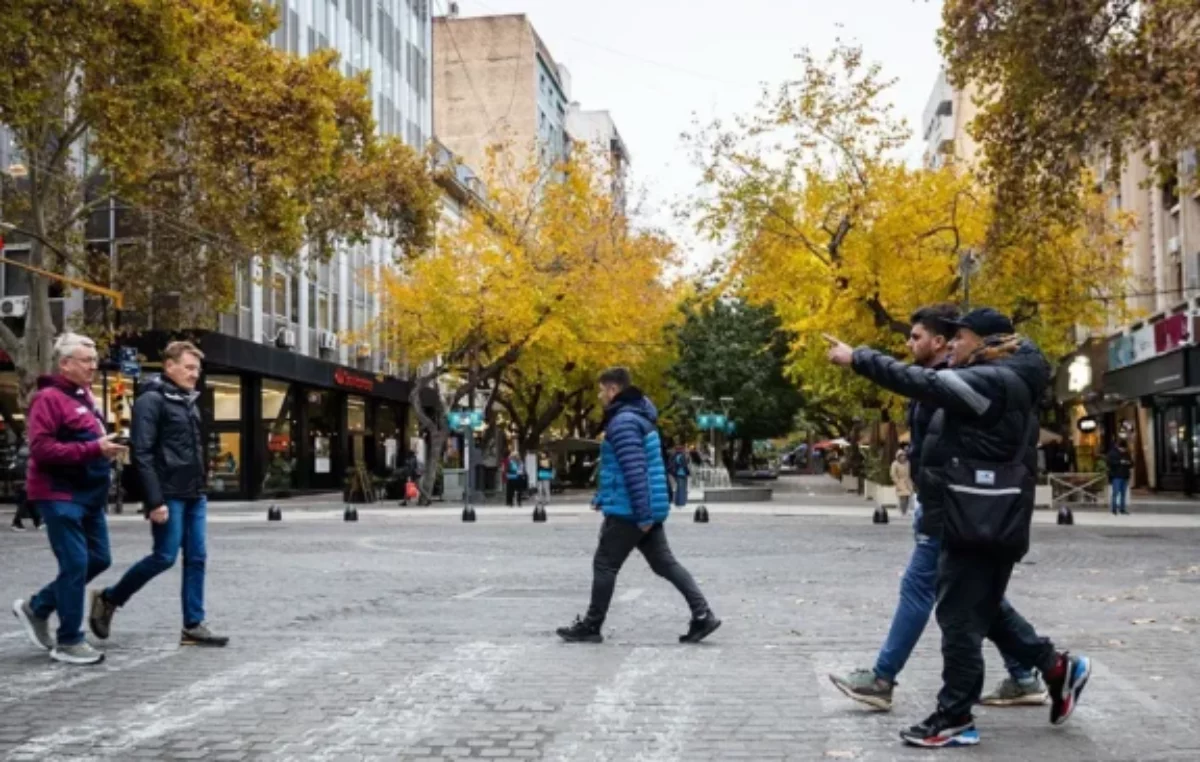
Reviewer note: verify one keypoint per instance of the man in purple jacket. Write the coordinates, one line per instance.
(68, 477)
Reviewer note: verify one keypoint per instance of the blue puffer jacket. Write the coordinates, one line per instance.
(633, 478)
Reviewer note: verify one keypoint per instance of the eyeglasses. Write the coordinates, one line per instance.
(88, 361)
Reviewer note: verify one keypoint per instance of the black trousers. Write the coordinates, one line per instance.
(26, 509)
(514, 488)
(617, 540)
(971, 607)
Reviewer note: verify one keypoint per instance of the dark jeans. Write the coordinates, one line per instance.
(918, 592)
(1120, 492)
(26, 509)
(680, 497)
(971, 607)
(617, 540)
(184, 529)
(79, 538)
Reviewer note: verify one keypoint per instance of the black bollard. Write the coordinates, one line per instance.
(350, 514)
(879, 516)
(274, 514)
(539, 513)
(468, 514)
(701, 515)
(1065, 517)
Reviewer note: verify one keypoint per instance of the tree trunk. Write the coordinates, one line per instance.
(438, 434)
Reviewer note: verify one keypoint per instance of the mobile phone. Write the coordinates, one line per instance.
(121, 439)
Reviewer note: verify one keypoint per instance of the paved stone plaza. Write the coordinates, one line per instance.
(411, 635)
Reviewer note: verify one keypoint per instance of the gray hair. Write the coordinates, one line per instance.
(67, 344)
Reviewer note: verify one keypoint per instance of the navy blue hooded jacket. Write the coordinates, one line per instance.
(633, 478)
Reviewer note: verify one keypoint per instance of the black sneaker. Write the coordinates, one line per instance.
(939, 730)
(1066, 682)
(581, 631)
(699, 629)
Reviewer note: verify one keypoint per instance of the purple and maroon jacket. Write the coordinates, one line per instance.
(64, 430)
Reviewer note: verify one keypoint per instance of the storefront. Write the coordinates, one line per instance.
(1168, 424)
(277, 422)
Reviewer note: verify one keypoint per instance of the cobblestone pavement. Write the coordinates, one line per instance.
(413, 636)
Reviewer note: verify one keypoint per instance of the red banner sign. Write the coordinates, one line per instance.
(351, 381)
(1170, 333)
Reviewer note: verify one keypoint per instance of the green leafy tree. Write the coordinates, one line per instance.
(729, 348)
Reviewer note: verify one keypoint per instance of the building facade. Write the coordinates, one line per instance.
(496, 83)
(290, 405)
(597, 130)
(944, 124)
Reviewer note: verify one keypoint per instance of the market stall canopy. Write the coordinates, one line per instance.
(830, 443)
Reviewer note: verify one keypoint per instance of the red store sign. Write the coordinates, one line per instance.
(351, 381)
(1170, 333)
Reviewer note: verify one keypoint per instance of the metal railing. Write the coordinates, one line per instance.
(1072, 490)
(707, 477)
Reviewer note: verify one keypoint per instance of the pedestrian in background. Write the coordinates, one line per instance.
(680, 472)
(168, 449)
(69, 476)
(902, 480)
(545, 477)
(514, 477)
(1120, 469)
(26, 508)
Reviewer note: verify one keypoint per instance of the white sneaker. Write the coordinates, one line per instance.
(80, 653)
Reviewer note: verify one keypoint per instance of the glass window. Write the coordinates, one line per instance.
(227, 397)
(295, 301)
(280, 451)
(224, 473)
(246, 285)
(279, 292)
(323, 310)
(16, 280)
(312, 305)
(356, 414)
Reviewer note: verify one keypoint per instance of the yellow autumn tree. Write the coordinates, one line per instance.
(534, 288)
(822, 221)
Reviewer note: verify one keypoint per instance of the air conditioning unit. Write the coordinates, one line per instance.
(14, 306)
(1173, 245)
(327, 340)
(286, 338)
(363, 350)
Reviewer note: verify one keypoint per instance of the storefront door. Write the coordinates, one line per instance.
(1173, 429)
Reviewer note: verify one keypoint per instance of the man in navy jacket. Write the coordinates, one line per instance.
(633, 497)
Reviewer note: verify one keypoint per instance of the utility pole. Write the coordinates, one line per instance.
(968, 265)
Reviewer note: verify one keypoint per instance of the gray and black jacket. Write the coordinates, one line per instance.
(982, 410)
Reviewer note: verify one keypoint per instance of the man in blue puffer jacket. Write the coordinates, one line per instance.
(633, 498)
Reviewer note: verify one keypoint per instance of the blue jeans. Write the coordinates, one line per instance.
(79, 538)
(184, 529)
(1120, 488)
(918, 593)
(681, 491)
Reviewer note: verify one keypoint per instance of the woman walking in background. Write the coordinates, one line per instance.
(902, 480)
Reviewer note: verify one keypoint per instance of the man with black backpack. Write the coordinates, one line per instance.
(977, 470)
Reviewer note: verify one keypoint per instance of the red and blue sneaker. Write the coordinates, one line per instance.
(941, 730)
(1066, 682)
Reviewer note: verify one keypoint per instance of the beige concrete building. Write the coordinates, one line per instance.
(495, 82)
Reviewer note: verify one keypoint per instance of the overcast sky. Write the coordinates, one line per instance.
(657, 64)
